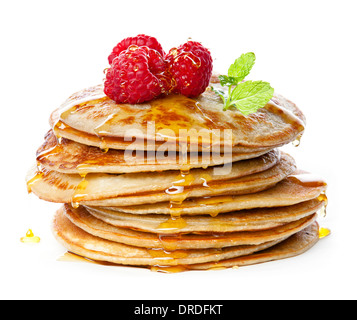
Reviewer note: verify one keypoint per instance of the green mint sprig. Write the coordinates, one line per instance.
(248, 96)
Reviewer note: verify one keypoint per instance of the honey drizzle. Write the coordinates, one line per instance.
(57, 149)
(178, 195)
(323, 210)
(307, 180)
(30, 237)
(37, 177)
(76, 105)
(59, 125)
(311, 181)
(78, 194)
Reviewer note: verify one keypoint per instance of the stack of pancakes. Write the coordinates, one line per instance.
(177, 183)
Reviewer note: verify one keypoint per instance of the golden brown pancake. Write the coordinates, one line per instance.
(80, 242)
(296, 188)
(62, 130)
(91, 112)
(243, 220)
(134, 188)
(67, 156)
(84, 220)
(244, 185)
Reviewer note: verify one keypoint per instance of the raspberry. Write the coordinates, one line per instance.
(140, 40)
(137, 75)
(190, 66)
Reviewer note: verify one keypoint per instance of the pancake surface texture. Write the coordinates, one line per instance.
(93, 113)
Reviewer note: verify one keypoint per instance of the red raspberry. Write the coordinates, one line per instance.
(140, 40)
(191, 66)
(137, 75)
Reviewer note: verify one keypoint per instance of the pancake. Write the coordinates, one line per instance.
(244, 220)
(295, 245)
(67, 156)
(244, 185)
(82, 243)
(296, 188)
(61, 130)
(84, 220)
(91, 112)
(132, 188)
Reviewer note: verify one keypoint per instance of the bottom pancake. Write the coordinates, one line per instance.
(80, 242)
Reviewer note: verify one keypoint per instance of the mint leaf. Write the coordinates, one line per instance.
(241, 67)
(225, 80)
(247, 96)
(250, 96)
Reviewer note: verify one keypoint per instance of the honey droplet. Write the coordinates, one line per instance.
(323, 210)
(169, 269)
(297, 142)
(84, 168)
(30, 237)
(103, 145)
(217, 266)
(58, 127)
(177, 194)
(169, 242)
(175, 210)
(324, 232)
(214, 213)
(323, 197)
(184, 180)
(172, 224)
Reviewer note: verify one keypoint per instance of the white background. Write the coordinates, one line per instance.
(305, 49)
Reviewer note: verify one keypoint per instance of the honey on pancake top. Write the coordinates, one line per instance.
(173, 116)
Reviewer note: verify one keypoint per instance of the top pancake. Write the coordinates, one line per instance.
(165, 119)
